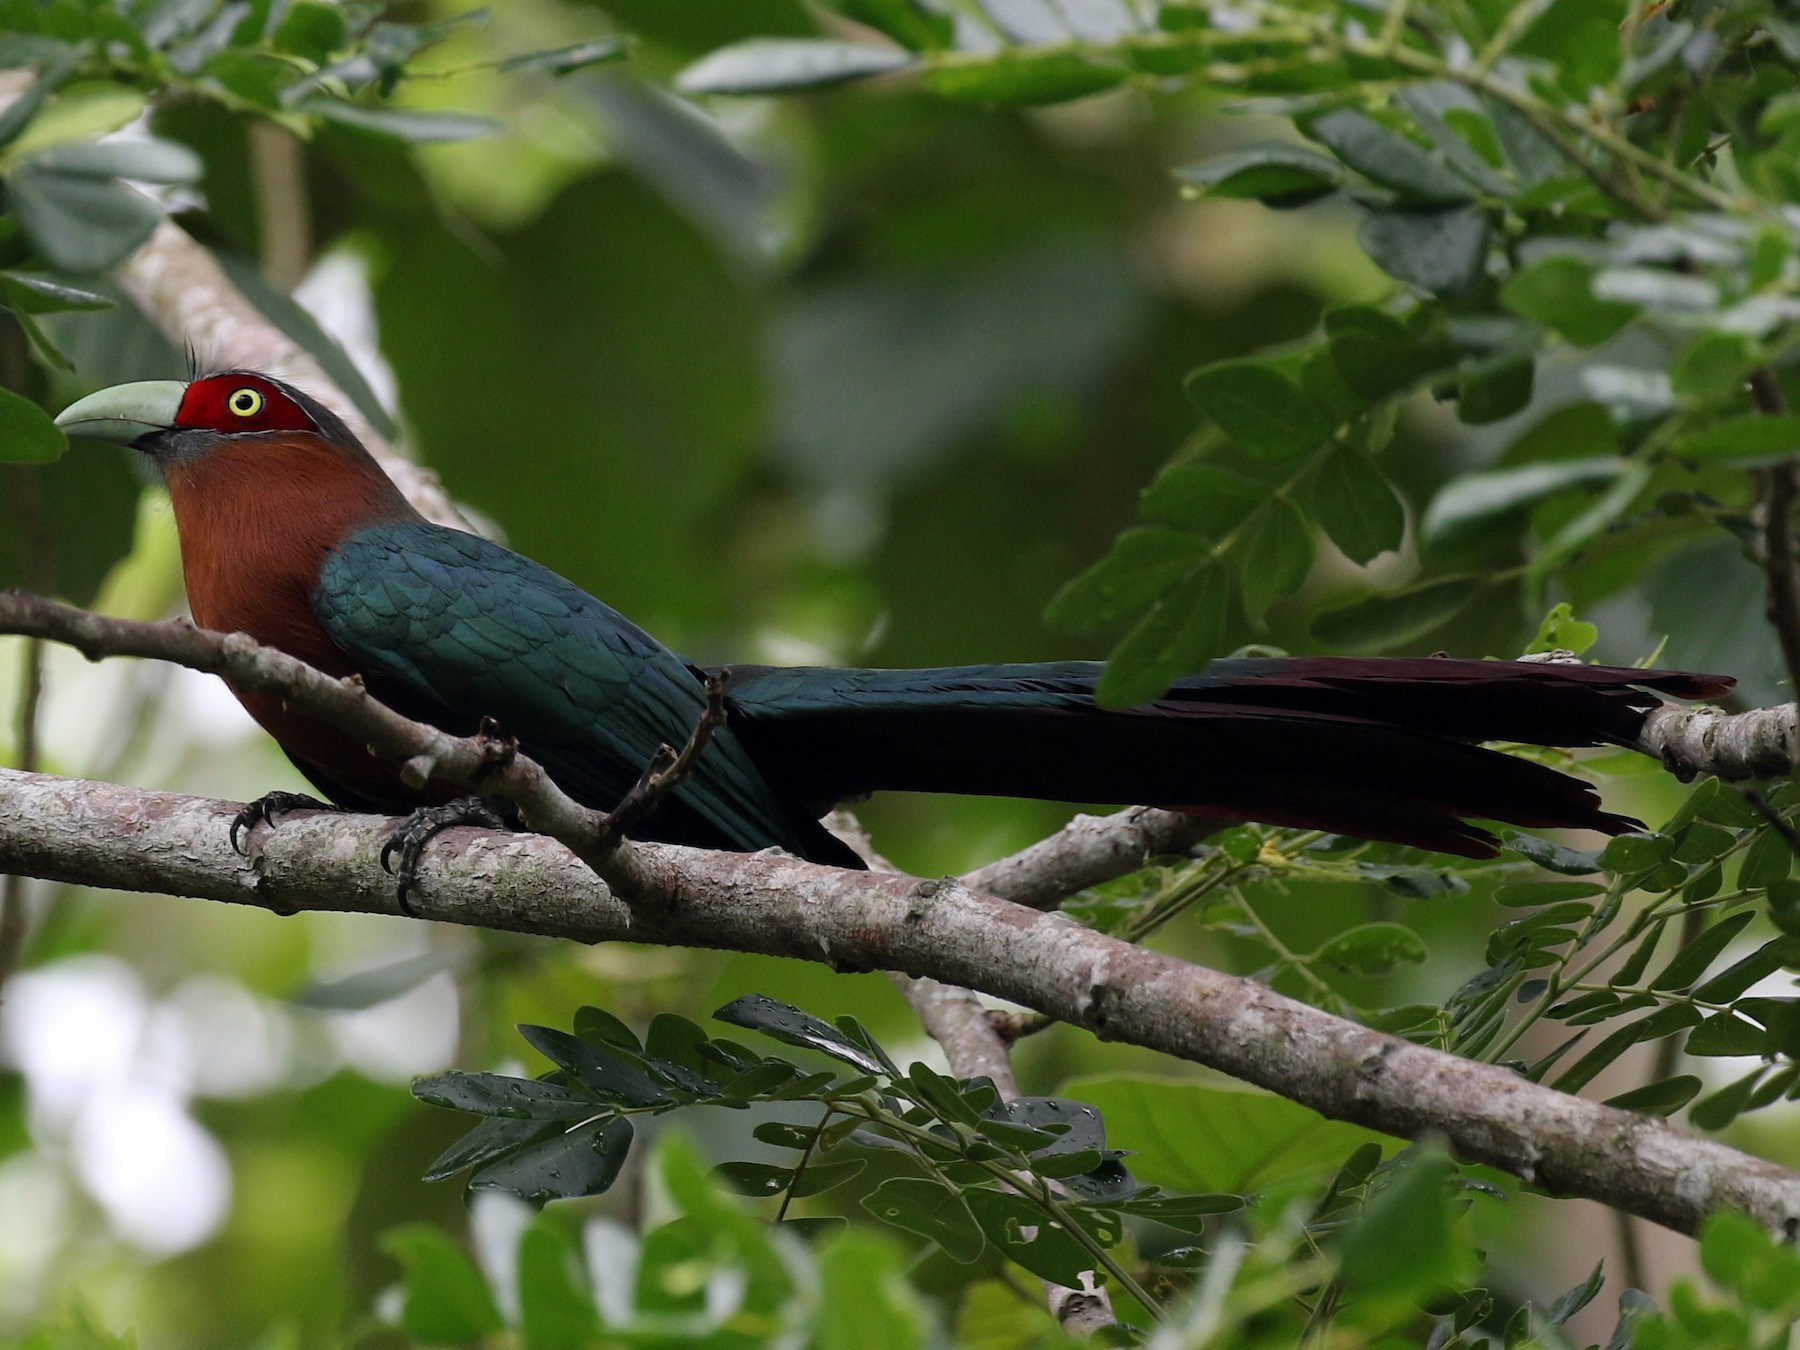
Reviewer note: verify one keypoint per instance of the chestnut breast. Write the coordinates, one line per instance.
(256, 516)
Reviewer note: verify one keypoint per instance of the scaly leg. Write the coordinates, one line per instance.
(409, 841)
(265, 808)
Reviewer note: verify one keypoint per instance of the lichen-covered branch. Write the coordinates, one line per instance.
(1690, 741)
(99, 834)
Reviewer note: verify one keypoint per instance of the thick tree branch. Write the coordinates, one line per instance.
(97, 834)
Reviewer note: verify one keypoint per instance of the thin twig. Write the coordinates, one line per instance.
(1780, 489)
(667, 769)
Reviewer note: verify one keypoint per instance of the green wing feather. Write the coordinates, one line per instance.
(449, 628)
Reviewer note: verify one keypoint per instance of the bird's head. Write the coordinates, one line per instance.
(180, 423)
(241, 451)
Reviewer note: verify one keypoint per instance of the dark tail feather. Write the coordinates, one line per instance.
(1380, 749)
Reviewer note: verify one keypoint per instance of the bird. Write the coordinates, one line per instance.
(292, 533)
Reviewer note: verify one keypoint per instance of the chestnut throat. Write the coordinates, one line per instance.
(256, 516)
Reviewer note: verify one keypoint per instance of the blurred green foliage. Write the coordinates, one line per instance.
(882, 373)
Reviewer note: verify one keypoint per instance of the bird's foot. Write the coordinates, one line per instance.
(400, 855)
(265, 808)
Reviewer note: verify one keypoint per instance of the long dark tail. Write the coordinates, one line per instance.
(1377, 748)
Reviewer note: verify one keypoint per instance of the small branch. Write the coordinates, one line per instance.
(283, 214)
(1090, 850)
(667, 770)
(1780, 488)
(1691, 741)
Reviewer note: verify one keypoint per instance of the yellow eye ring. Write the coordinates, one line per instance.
(245, 403)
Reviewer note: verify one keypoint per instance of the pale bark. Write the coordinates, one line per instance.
(100, 834)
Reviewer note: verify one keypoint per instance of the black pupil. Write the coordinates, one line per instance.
(243, 401)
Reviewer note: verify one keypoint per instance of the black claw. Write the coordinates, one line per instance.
(408, 842)
(265, 808)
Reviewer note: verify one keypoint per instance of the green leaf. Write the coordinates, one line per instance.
(1713, 366)
(787, 1023)
(1277, 557)
(19, 113)
(1144, 564)
(1784, 906)
(771, 65)
(563, 60)
(820, 1177)
(1665, 1021)
(403, 124)
(556, 1308)
(81, 112)
(1261, 408)
(1356, 505)
(1493, 394)
(1662, 1098)
(1401, 1246)
(1028, 1237)
(311, 30)
(1373, 949)
(1636, 852)
(931, 1210)
(1718, 1110)
(602, 1069)
(865, 1301)
(1191, 1213)
(1561, 631)
(1579, 43)
(1735, 979)
(493, 1138)
(602, 1028)
(1536, 893)
(493, 1094)
(1388, 158)
(1399, 617)
(1201, 497)
(80, 225)
(1726, 1033)
(1276, 173)
(1442, 252)
(753, 1178)
(1181, 633)
(27, 433)
(912, 23)
(583, 1161)
(1552, 857)
(28, 293)
(446, 1301)
(1769, 859)
(1753, 435)
(1557, 292)
(149, 161)
(1203, 1138)
(1467, 503)
(1690, 963)
(1016, 76)
(1376, 354)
